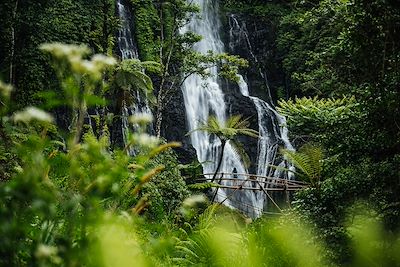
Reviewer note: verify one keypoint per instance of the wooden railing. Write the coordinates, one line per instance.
(244, 181)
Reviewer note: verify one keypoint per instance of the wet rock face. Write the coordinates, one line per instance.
(240, 105)
(174, 128)
(63, 117)
(253, 38)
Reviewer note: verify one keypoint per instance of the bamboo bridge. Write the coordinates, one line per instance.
(243, 181)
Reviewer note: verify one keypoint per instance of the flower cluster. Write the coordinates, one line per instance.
(74, 55)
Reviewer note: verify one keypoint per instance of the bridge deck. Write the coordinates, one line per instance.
(244, 181)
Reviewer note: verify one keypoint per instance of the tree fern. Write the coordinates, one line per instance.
(308, 160)
(328, 111)
(241, 152)
(130, 75)
(228, 131)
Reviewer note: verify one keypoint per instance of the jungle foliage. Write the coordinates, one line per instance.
(28, 24)
(71, 198)
(341, 78)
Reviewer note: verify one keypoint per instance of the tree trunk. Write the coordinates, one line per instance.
(162, 92)
(218, 167)
(220, 160)
(12, 48)
(82, 111)
(161, 89)
(158, 121)
(102, 122)
(106, 8)
(4, 136)
(161, 14)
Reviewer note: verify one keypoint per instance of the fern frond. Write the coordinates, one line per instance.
(151, 66)
(207, 217)
(308, 160)
(239, 149)
(299, 160)
(249, 132)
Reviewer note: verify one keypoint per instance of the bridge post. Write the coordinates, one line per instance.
(287, 192)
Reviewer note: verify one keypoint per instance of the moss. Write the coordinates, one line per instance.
(147, 27)
(167, 190)
(38, 22)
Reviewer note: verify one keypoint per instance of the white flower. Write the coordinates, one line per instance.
(147, 140)
(93, 67)
(102, 61)
(32, 113)
(74, 55)
(5, 89)
(44, 251)
(194, 200)
(141, 118)
(84, 67)
(60, 50)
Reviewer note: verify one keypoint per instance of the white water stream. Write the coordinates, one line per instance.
(204, 97)
(272, 125)
(128, 50)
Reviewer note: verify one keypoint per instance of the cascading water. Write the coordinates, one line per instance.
(128, 50)
(204, 97)
(272, 129)
(272, 135)
(126, 44)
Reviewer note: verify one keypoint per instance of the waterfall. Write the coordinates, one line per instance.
(126, 44)
(272, 130)
(204, 97)
(272, 134)
(128, 50)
